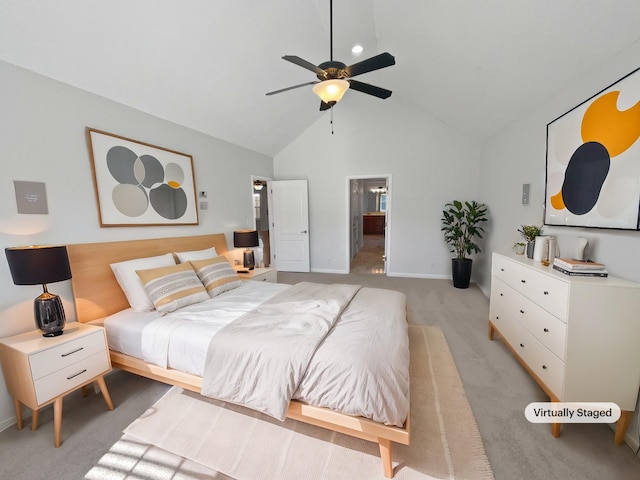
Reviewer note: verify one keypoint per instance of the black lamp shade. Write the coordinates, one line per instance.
(245, 238)
(38, 265)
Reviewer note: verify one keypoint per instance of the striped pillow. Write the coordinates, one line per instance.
(170, 288)
(216, 274)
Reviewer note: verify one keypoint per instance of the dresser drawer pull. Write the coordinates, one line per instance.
(523, 281)
(545, 330)
(545, 292)
(76, 374)
(72, 352)
(522, 345)
(544, 367)
(521, 311)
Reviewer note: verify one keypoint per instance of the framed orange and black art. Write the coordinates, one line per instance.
(138, 184)
(593, 160)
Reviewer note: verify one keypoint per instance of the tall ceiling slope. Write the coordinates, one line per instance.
(207, 64)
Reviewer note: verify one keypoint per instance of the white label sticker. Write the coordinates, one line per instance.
(572, 412)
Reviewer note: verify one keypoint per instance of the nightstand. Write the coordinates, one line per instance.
(39, 371)
(260, 274)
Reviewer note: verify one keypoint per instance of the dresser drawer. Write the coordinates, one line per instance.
(549, 292)
(70, 377)
(549, 330)
(60, 356)
(549, 368)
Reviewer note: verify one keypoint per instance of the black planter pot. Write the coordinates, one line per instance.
(461, 272)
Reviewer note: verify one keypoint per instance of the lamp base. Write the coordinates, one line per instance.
(249, 261)
(49, 314)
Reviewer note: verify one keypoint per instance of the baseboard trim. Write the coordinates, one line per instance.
(326, 270)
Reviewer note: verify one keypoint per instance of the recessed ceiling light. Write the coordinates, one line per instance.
(357, 49)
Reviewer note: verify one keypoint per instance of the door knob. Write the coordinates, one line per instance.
(303, 231)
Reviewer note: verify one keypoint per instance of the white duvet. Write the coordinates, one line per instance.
(360, 368)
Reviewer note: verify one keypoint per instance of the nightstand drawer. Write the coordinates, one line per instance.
(71, 376)
(269, 276)
(60, 356)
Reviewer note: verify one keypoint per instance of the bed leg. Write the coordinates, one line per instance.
(386, 454)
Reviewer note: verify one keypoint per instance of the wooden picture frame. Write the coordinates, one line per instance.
(593, 161)
(139, 184)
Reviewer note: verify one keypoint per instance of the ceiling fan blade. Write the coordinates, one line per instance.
(291, 88)
(304, 64)
(370, 89)
(324, 106)
(374, 63)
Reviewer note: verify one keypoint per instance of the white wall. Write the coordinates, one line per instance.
(517, 156)
(430, 164)
(43, 140)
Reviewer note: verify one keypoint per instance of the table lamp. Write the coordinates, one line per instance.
(246, 239)
(39, 265)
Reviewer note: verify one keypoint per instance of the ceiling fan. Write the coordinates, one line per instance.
(334, 78)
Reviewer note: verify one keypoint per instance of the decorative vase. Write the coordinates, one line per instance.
(461, 272)
(518, 248)
(530, 248)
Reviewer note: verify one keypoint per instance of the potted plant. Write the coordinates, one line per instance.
(461, 224)
(529, 233)
(519, 248)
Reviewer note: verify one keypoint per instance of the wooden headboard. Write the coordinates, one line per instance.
(95, 289)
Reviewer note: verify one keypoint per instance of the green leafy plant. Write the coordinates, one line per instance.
(530, 232)
(461, 224)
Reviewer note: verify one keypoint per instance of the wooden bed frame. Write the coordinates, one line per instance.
(97, 295)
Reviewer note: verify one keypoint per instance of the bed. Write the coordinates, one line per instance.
(99, 299)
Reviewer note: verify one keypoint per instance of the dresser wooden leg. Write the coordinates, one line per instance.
(492, 331)
(35, 416)
(621, 427)
(555, 429)
(18, 406)
(105, 393)
(57, 419)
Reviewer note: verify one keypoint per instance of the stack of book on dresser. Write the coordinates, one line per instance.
(585, 268)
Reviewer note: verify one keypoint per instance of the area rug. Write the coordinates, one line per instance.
(199, 438)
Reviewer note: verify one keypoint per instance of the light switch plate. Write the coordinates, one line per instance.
(525, 193)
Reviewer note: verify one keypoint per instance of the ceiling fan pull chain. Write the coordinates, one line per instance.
(331, 120)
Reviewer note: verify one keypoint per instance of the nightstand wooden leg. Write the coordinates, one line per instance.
(35, 415)
(18, 407)
(105, 393)
(57, 419)
(621, 427)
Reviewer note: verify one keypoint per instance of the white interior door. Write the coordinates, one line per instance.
(290, 224)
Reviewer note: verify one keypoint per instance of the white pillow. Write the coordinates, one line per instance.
(185, 257)
(130, 282)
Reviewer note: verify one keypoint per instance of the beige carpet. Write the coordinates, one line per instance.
(204, 438)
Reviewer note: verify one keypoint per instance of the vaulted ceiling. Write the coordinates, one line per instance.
(207, 64)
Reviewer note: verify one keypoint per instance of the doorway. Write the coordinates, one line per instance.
(369, 202)
(261, 217)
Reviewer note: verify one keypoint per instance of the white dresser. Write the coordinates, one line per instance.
(578, 337)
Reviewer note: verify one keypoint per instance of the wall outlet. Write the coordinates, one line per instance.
(204, 205)
(202, 194)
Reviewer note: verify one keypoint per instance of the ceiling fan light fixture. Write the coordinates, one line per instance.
(331, 91)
